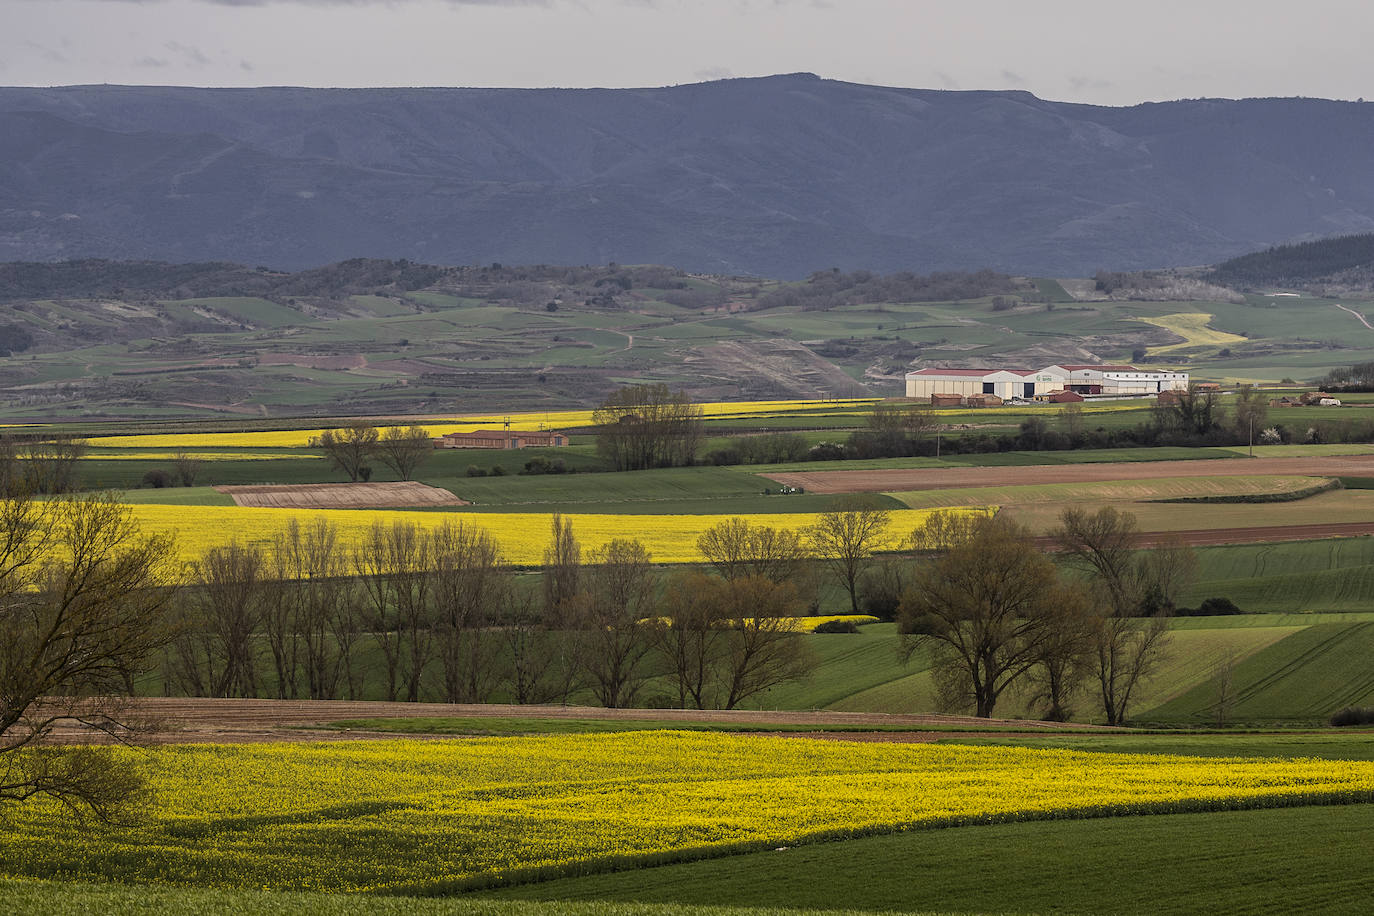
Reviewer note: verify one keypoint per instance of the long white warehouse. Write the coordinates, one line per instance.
(1021, 383)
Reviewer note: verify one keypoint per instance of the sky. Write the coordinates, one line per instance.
(1092, 51)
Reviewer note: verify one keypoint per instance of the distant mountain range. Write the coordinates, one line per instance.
(775, 177)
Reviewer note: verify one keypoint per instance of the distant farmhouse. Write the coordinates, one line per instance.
(495, 438)
(1053, 383)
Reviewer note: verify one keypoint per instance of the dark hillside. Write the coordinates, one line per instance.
(778, 176)
(1346, 259)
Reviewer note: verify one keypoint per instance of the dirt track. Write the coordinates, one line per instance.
(184, 721)
(395, 494)
(898, 479)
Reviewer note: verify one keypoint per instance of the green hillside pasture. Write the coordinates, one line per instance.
(50, 898)
(1324, 508)
(848, 663)
(178, 496)
(1300, 451)
(1297, 577)
(1295, 860)
(1125, 490)
(248, 309)
(1191, 659)
(1303, 678)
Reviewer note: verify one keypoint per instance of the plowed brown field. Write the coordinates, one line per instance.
(200, 720)
(341, 495)
(897, 479)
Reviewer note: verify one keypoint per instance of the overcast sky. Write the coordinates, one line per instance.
(1096, 51)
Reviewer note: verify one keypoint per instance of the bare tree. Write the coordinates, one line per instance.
(225, 607)
(988, 606)
(539, 669)
(690, 638)
(404, 449)
(762, 648)
(392, 562)
(562, 568)
(738, 549)
(1129, 585)
(186, 466)
(50, 466)
(648, 426)
(846, 536)
(621, 586)
(350, 449)
(469, 586)
(315, 599)
(83, 595)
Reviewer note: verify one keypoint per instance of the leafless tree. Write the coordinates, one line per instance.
(539, 664)
(315, 597)
(217, 645)
(648, 426)
(1133, 592)
(50, 466)
(392, 563)
(738, 549)
(845, 537)
(562, 569)
(404, 449)
(762, 648)
(83, 595)
(350, 449)
(987, 607)
(620, 593)
(469, 587)
(690, 638)
(186, 466)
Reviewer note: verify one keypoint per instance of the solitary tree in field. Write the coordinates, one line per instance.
(82, 600)
(404, 449)
(845, 537)
(350, 449)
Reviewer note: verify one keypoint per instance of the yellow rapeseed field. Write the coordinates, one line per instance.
(555, 419)
(522, 536)
(1192, 326)
(432, 817)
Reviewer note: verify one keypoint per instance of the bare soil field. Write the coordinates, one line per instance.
(897, 479)
(388, 495)
(201, 720)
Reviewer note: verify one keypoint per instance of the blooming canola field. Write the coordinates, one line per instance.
(430, 817)
(522, 535)
(555, 419)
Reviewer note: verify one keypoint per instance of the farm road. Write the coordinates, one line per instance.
(200, 720)
(898, 479)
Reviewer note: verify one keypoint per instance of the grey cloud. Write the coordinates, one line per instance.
(189, 53)
(49, 54)
(946, 80)
(1088, 82)
(1013, 77)
(347, 2)
(152, 62)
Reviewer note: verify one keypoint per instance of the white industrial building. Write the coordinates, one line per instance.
(1021, 383)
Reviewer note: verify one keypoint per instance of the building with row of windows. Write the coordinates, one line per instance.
(1106, 381)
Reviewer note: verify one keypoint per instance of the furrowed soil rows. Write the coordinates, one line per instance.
(898, 479)
(341, 495)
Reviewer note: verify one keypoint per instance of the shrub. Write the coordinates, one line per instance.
(497, 471)
(1353, 715)
(1210, 607)
(836, 626)
(157, 478)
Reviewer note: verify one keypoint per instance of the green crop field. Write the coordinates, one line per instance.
(1122, 490)
(1288, 861)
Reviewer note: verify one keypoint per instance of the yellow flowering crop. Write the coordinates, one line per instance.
(522, 536)
(431, 817)
(554, 419)
(199, 456)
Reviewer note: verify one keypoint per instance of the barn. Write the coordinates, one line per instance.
(1107, 380)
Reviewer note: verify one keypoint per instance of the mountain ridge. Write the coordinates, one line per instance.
(772, 176)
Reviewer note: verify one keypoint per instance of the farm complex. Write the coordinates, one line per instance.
(1006, 384)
